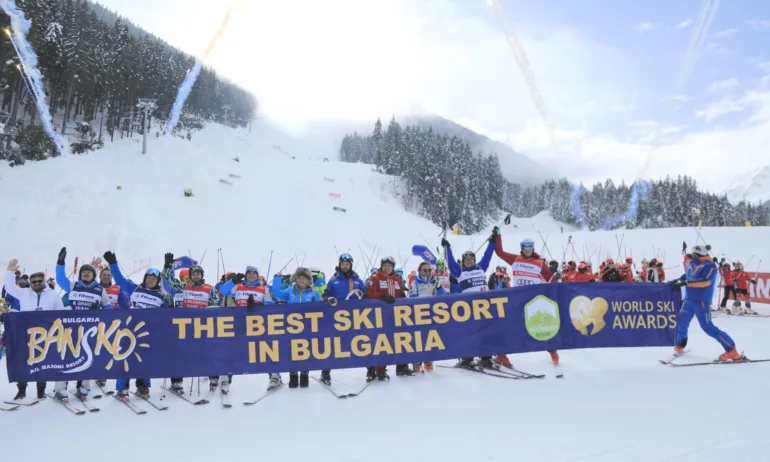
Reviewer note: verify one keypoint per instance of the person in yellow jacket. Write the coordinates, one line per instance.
(319, 280)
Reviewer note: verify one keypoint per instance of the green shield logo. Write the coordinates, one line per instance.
(541, 316)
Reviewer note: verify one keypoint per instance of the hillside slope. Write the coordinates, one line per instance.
(613, 405)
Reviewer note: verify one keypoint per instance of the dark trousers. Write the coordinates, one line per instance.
(728, 291)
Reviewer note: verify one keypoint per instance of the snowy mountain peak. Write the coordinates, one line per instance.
(753, 187)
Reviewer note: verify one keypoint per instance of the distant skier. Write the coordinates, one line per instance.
(425, 285)
(701, 279)
(147, 295)
(301, 291)
(527, 268)
(471, 278)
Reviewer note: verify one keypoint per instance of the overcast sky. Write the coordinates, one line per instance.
(610, 72)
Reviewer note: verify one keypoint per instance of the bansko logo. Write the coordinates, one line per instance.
(75, 350)
(585, 312)
(541, 317)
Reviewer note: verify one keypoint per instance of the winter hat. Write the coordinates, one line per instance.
(315, 270)
(252, 268)
(701, 250)
(302, 272)
(86, 267)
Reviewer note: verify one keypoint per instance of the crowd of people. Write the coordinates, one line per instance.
(103, 286)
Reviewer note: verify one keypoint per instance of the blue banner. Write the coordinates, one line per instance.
(71, 345)
(424, 253)
(184, 262)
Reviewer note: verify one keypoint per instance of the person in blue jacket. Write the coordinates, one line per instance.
(147, 295)
(13, 302)
(471, 277)
(701, 281)
(344, 285)
(301, 291)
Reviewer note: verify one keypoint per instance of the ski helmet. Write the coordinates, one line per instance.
(184, 274)
(390, 260)
(701, 250)
(528, 243)
(195, 268)
(399, 271)
(346, 257)
(440, 263)
(86, 267)
(152, 272)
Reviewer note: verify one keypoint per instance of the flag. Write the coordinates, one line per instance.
(184, 262)
(424, 253)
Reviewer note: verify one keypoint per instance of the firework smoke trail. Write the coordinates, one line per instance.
(577, 208)
(28, 58)
(192, 75)
(526, 70)
(700, 31)
(640, 191)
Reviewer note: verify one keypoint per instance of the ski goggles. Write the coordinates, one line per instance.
(346, 257)
(390, 260)
(153, 272)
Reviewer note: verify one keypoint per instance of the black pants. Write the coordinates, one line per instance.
(23, 385)
(728, 291)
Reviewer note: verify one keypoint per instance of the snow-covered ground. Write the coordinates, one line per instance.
(612, 405)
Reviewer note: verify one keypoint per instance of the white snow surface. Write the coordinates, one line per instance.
(753, 187)
(613, 404)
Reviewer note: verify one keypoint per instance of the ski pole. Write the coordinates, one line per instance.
(337, 251)
(296, 258)
(224, 268)
(284, 266)
(218, 250)
(201, 262)
(303, 259)
(163, 393)
(268, 265)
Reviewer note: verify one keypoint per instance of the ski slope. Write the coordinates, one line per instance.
(613, 404)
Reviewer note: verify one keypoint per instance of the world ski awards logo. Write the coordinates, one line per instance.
(541, 317)
(70, 345)
(586, 312)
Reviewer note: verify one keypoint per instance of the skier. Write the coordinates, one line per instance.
(36, 297)
(425, 285)
(700, 280)
(386, 285)
(184, 276)
(742, 288)
(527, 268)
(195, 294)
(319, 280)
(147, 295)
(471, 278)
(443, 275)
(345, 284)
(582, 274)
(728, 282)
(301, 291)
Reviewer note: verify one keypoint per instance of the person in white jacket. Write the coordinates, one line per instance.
(37, 297)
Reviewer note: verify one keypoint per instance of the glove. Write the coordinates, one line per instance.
(237, 278)
(445, 243)
(169, 260)
(358, 293)
(332, 301)
(94, 306)
(62, 256)
(388, 298)
(557, 275)
(677, 284)
(110, 258)
(495, 233)
(250, 303)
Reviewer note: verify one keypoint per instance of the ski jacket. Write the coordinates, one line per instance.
(319, 283)
(340, 286)
(524, 270)
(742, 280)
(140, 296)
(29, 300)
(661, 275)
(471, 279)
(729, 276)
(426, 287)
(293, 294)
(118, 298)
(82, 296)
(194, 294)
(583, 277)
(381, 284)
(242, 291)
(701, 277)
(13, 302)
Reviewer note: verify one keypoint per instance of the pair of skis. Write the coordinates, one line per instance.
(340, 395)
(671, 361)
(18, 404)
(510, 373)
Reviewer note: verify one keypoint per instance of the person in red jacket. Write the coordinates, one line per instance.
(527, 268)
(582, 274)
(386, 285)
(728, 280)
(661, 271)
(742, 280)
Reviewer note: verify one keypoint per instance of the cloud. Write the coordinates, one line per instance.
(727, 33)
(646, 26)
(720, 108)
(758, 24)
(723, 85)
(684, 24)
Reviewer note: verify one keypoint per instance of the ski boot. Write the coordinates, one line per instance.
(142, 391)
(428, 366)
(678, 351)
(122, 393)
(275, 382)
(465, 363)
(101, 383)
(370, 374)
(326, 378)
(82, 393)
(61, 395)
(554, 357)
(503, 361)
(177, 387)
(382, 373)
(731, 355)
(304, 380)
(22, 392)
(213, 384)
(486, 363)
(224, 387)
(417, 368)
(736, 308)
(293, 380)
(402, 370)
